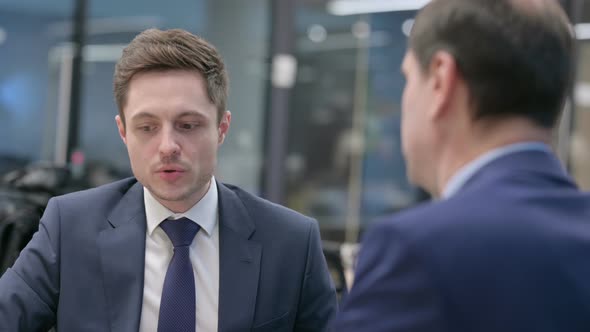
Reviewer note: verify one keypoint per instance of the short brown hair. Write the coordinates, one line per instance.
(516, 60)
(154, 50)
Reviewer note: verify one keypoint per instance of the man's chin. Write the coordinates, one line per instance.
(170, 196)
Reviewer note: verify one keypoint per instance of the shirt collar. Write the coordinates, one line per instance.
(204, 213)
(458, 180)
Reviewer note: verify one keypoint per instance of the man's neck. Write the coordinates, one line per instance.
(182, 206)
(481, 140)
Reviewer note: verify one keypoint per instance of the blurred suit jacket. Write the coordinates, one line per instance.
(510, 252)
(83, 270)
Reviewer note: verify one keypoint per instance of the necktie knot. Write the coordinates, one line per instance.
(181, 231)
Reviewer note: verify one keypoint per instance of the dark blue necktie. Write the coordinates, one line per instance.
(177, 307)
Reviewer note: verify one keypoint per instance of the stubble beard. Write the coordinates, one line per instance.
(201, 187)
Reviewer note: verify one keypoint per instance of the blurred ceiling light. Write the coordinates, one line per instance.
(582, 31)
(582, 94)
(344, 41)
(407, 27)
(92, 53)
(3, 35)
(317, 33)
(284, 71)
(355, 7)
(361, 30)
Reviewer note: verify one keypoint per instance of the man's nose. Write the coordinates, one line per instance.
(169, 145)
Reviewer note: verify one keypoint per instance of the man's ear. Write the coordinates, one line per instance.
(121, 127)
(224, 126)
(444, 75)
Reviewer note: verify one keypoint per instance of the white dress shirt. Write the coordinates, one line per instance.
(204, 255)
(458, 180)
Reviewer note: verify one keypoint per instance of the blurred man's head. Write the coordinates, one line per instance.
(481, 73)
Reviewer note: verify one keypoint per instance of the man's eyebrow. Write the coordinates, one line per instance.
(191, 113)
(142, 115)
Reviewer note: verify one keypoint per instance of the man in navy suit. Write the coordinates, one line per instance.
(505, 244)
(171, 249)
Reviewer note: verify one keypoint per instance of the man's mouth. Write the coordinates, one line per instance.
(170, 174)
(170, 169)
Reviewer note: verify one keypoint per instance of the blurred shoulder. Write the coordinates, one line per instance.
(436, 219)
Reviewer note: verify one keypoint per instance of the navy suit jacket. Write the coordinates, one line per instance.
(83, 270)
(509, 252)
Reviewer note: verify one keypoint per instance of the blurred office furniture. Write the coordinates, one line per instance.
(24, 193)
(341, 258)
(335, 266)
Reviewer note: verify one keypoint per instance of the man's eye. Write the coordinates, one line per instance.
(146, 128)
(188, 126)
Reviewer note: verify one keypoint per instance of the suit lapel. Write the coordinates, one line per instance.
(239, 263)
(122, 254)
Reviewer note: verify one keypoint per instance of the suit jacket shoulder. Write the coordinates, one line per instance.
(108, 194)
(270, 217)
